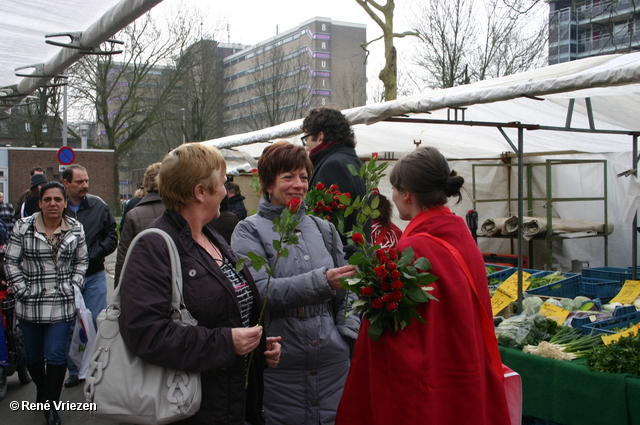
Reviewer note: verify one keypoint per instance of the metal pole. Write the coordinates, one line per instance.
(65, 136)
(184, 128)
(634, 230)
(520, 212)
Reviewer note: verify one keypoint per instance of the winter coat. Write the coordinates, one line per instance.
(438, 372)
(306, 386)
(139, 218)
(41, 281)
(330, 167)
(209, 296)
(99, 228)
(236, 206)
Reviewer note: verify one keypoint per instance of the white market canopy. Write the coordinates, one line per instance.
(611, 82)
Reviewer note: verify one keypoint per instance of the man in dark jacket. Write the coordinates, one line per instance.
(102, 239)
(331, 145)
(236, 200)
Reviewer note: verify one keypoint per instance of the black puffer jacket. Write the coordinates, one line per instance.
(207, 348)
(99, 229)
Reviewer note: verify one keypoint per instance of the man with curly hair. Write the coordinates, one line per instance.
(330, 141)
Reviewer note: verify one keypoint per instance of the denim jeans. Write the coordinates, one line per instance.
(45, 341)
(95, 298)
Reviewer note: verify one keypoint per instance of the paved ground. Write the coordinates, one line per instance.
(19, 393)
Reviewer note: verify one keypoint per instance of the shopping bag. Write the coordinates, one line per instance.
(4, 352)
(513, 391)
(84, 334)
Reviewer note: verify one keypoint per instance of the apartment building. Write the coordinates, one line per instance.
(319, 63)
(578, 29)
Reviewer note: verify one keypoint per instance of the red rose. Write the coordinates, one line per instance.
(397, 284)
(375, 191)
(326, 208)
(326, 217)
(358, 239)
(392, 306)
(320, 204)
(396, 295)
(387, 298)
(347, 194)
(254, 171)
(377, 303)
(380, 270)
(385, 286)
(374, 155)
(366, 291)
(334, 187)
(383, 260)
(293, 205)
(380, 253)
(395, 274)
(341, 207)
(391, 265)
(320, 186)
(334, 204)
(393, 254)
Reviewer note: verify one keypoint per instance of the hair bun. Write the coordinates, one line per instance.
(453, 184)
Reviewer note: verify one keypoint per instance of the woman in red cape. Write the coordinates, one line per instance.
(441, 372)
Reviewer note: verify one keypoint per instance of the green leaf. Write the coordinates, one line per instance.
(352, 169)
(375, 214)
(422, 264)
(357, 258)
(257, 261)
(276, 245)
(240, 264)
(358, 303)
(407, 257)
(375, 202)
(426, 278)
(348, 211)
(284, 253)
(344, 199)
(349, 281)
(417, 295)
(375, 331)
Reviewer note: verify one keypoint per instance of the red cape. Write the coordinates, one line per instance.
(437, 373)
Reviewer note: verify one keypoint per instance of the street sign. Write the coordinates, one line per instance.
(66, 155)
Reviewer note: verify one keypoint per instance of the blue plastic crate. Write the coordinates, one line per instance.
(569, 287)
(504, 274)
(608, 273)
(621, 322)
(605, 289)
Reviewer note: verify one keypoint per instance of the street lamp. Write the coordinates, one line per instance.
(184, 129)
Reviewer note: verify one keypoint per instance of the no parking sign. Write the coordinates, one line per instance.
(66, 155)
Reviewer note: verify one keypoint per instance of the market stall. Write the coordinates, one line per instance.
(568, 393)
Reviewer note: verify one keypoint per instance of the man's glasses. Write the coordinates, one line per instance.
(304, 139)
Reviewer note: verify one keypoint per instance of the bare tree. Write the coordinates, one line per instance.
(37, 121)
(130, 93)
(388, 74)
(462, 41)
(279, 91)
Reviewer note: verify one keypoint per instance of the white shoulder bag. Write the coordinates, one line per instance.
(123, 386)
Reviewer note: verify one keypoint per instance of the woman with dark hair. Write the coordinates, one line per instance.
(447, 370)
(383, 231)
(225, 302)
(46, 256)
(304, 305)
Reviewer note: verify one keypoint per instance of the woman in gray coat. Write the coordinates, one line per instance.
(305, 305)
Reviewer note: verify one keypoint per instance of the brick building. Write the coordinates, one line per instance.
(15, 163)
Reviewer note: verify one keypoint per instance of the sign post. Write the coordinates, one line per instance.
(66, 155)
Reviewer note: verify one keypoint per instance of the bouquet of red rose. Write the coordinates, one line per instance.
(328, 203)
(390, 286)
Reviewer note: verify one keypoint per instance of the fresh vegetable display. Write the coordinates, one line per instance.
(566, 344)
(622, 356)
(521, 330)
(537, 282)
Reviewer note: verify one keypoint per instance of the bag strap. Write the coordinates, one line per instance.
(334, 250)
(176, 268)
(488, 330)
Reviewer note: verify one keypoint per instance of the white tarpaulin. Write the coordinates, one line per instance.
(539, 97)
